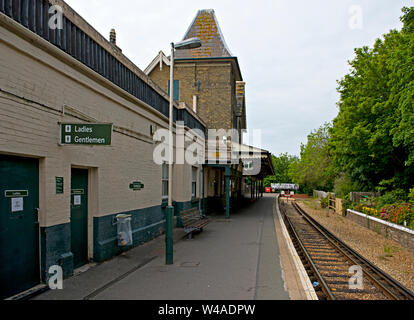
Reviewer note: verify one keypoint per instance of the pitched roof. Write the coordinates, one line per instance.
(159, 60)
(205, 27)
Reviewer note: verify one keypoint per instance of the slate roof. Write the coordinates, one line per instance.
(205, 26)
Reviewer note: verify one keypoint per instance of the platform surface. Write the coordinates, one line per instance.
(235, 259)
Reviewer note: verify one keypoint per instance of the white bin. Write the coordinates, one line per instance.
(124, 230)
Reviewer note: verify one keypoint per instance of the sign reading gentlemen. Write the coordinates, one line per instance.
(86, 134)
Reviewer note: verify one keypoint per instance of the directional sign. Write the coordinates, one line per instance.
(86, 134)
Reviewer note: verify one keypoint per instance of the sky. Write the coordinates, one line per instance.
(291, 52)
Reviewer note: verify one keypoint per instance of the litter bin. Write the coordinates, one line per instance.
(124, 230)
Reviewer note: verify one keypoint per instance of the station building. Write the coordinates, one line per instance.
(58, 199)
(209, 80)
(77, 126)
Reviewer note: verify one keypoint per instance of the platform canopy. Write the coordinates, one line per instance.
(256, 161)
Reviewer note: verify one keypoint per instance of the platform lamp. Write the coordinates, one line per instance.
(191, 43)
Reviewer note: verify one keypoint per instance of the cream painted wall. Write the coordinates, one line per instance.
(37, 81)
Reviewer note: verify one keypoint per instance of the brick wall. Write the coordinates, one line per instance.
(214, 85)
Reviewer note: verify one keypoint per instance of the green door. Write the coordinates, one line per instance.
(19, 228)
(79, 217)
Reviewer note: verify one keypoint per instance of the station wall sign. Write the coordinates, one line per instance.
(98, 134)
(59, 185)
(136, 186)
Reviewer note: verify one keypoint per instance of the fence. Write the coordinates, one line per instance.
(357, 196)
(322, 194)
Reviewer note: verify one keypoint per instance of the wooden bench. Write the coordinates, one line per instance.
(192, 221)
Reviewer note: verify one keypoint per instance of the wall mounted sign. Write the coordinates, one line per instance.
(136, 186)
(77, 200)
(98, 134)
(59, 185)
(16, 193)
(17, 204)
(78, 191)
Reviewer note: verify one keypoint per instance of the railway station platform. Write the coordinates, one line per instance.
(232, 259)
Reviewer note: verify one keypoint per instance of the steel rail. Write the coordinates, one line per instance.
(351, 254)
(322, 282)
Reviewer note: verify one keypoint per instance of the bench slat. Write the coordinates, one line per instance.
(192, 220)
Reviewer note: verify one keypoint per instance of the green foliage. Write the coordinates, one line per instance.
(402, 214)
(372, 138)
(343, 185)
(411, 196)
(325, 201)
(313, 169)
(281, 165)
(390, 198)
(346, 204)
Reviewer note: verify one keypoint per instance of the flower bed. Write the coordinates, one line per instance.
(400, 214)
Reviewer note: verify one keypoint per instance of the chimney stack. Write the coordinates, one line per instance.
(112, 37)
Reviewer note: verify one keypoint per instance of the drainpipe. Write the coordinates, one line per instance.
(227, 175)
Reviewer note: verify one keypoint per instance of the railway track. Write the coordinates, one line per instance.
(333, 266)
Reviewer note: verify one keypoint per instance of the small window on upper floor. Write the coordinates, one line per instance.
(176, 89)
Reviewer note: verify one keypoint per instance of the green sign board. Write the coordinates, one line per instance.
(136, 186)
(16, 193)
(59, 185)
(98, 134)
(78, 191)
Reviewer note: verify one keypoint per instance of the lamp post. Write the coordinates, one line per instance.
(191, 43)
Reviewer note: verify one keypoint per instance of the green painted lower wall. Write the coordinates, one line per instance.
(55, 250)
(55, 241)
(146, 225)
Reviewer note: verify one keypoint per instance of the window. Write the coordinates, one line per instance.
(164, 181)
(194, 183)
(195, 104)
(176, 89)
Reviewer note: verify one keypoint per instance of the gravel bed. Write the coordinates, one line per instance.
(386, 254)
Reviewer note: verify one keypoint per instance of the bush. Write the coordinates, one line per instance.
(325, 201)
(411, 196)
(401, 214)
(371, 212)
(343, 185)
(346, 204)
(358, 207)
(392, 197)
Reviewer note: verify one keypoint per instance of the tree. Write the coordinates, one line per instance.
(313, 169)
(281, 165)
(372, 138)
